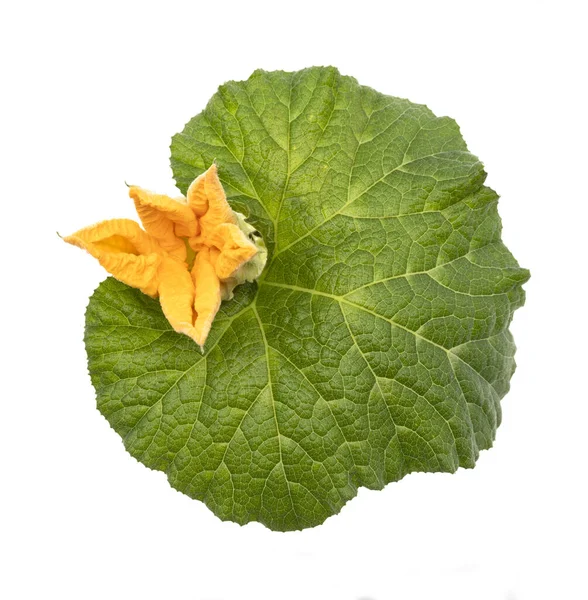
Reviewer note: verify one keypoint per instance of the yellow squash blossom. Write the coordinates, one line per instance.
(191, 254)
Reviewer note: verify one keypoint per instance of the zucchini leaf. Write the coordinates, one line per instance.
(374, 344)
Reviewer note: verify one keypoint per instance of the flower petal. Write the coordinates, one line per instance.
(124, 250)
(235, 249)
(206, 197)
(165, 219)
(208, 295)
(176, 295)
(196, 196)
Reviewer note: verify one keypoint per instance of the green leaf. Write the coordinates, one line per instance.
(376, 342)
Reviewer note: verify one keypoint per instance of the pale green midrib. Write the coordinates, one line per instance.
(352, 200)
(428, 272)
(342, 299)
(269, 380)
(288, 164)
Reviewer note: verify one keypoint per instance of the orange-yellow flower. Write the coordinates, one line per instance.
(191, 254)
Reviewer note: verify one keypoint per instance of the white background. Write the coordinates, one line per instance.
(91, 94)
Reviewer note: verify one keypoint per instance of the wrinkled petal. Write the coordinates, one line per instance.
(124, 250)
(196, 196)
(176, 296)
(226, 285)
(165, 219)
(235, 249)
(208, 295)
(206, 197)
